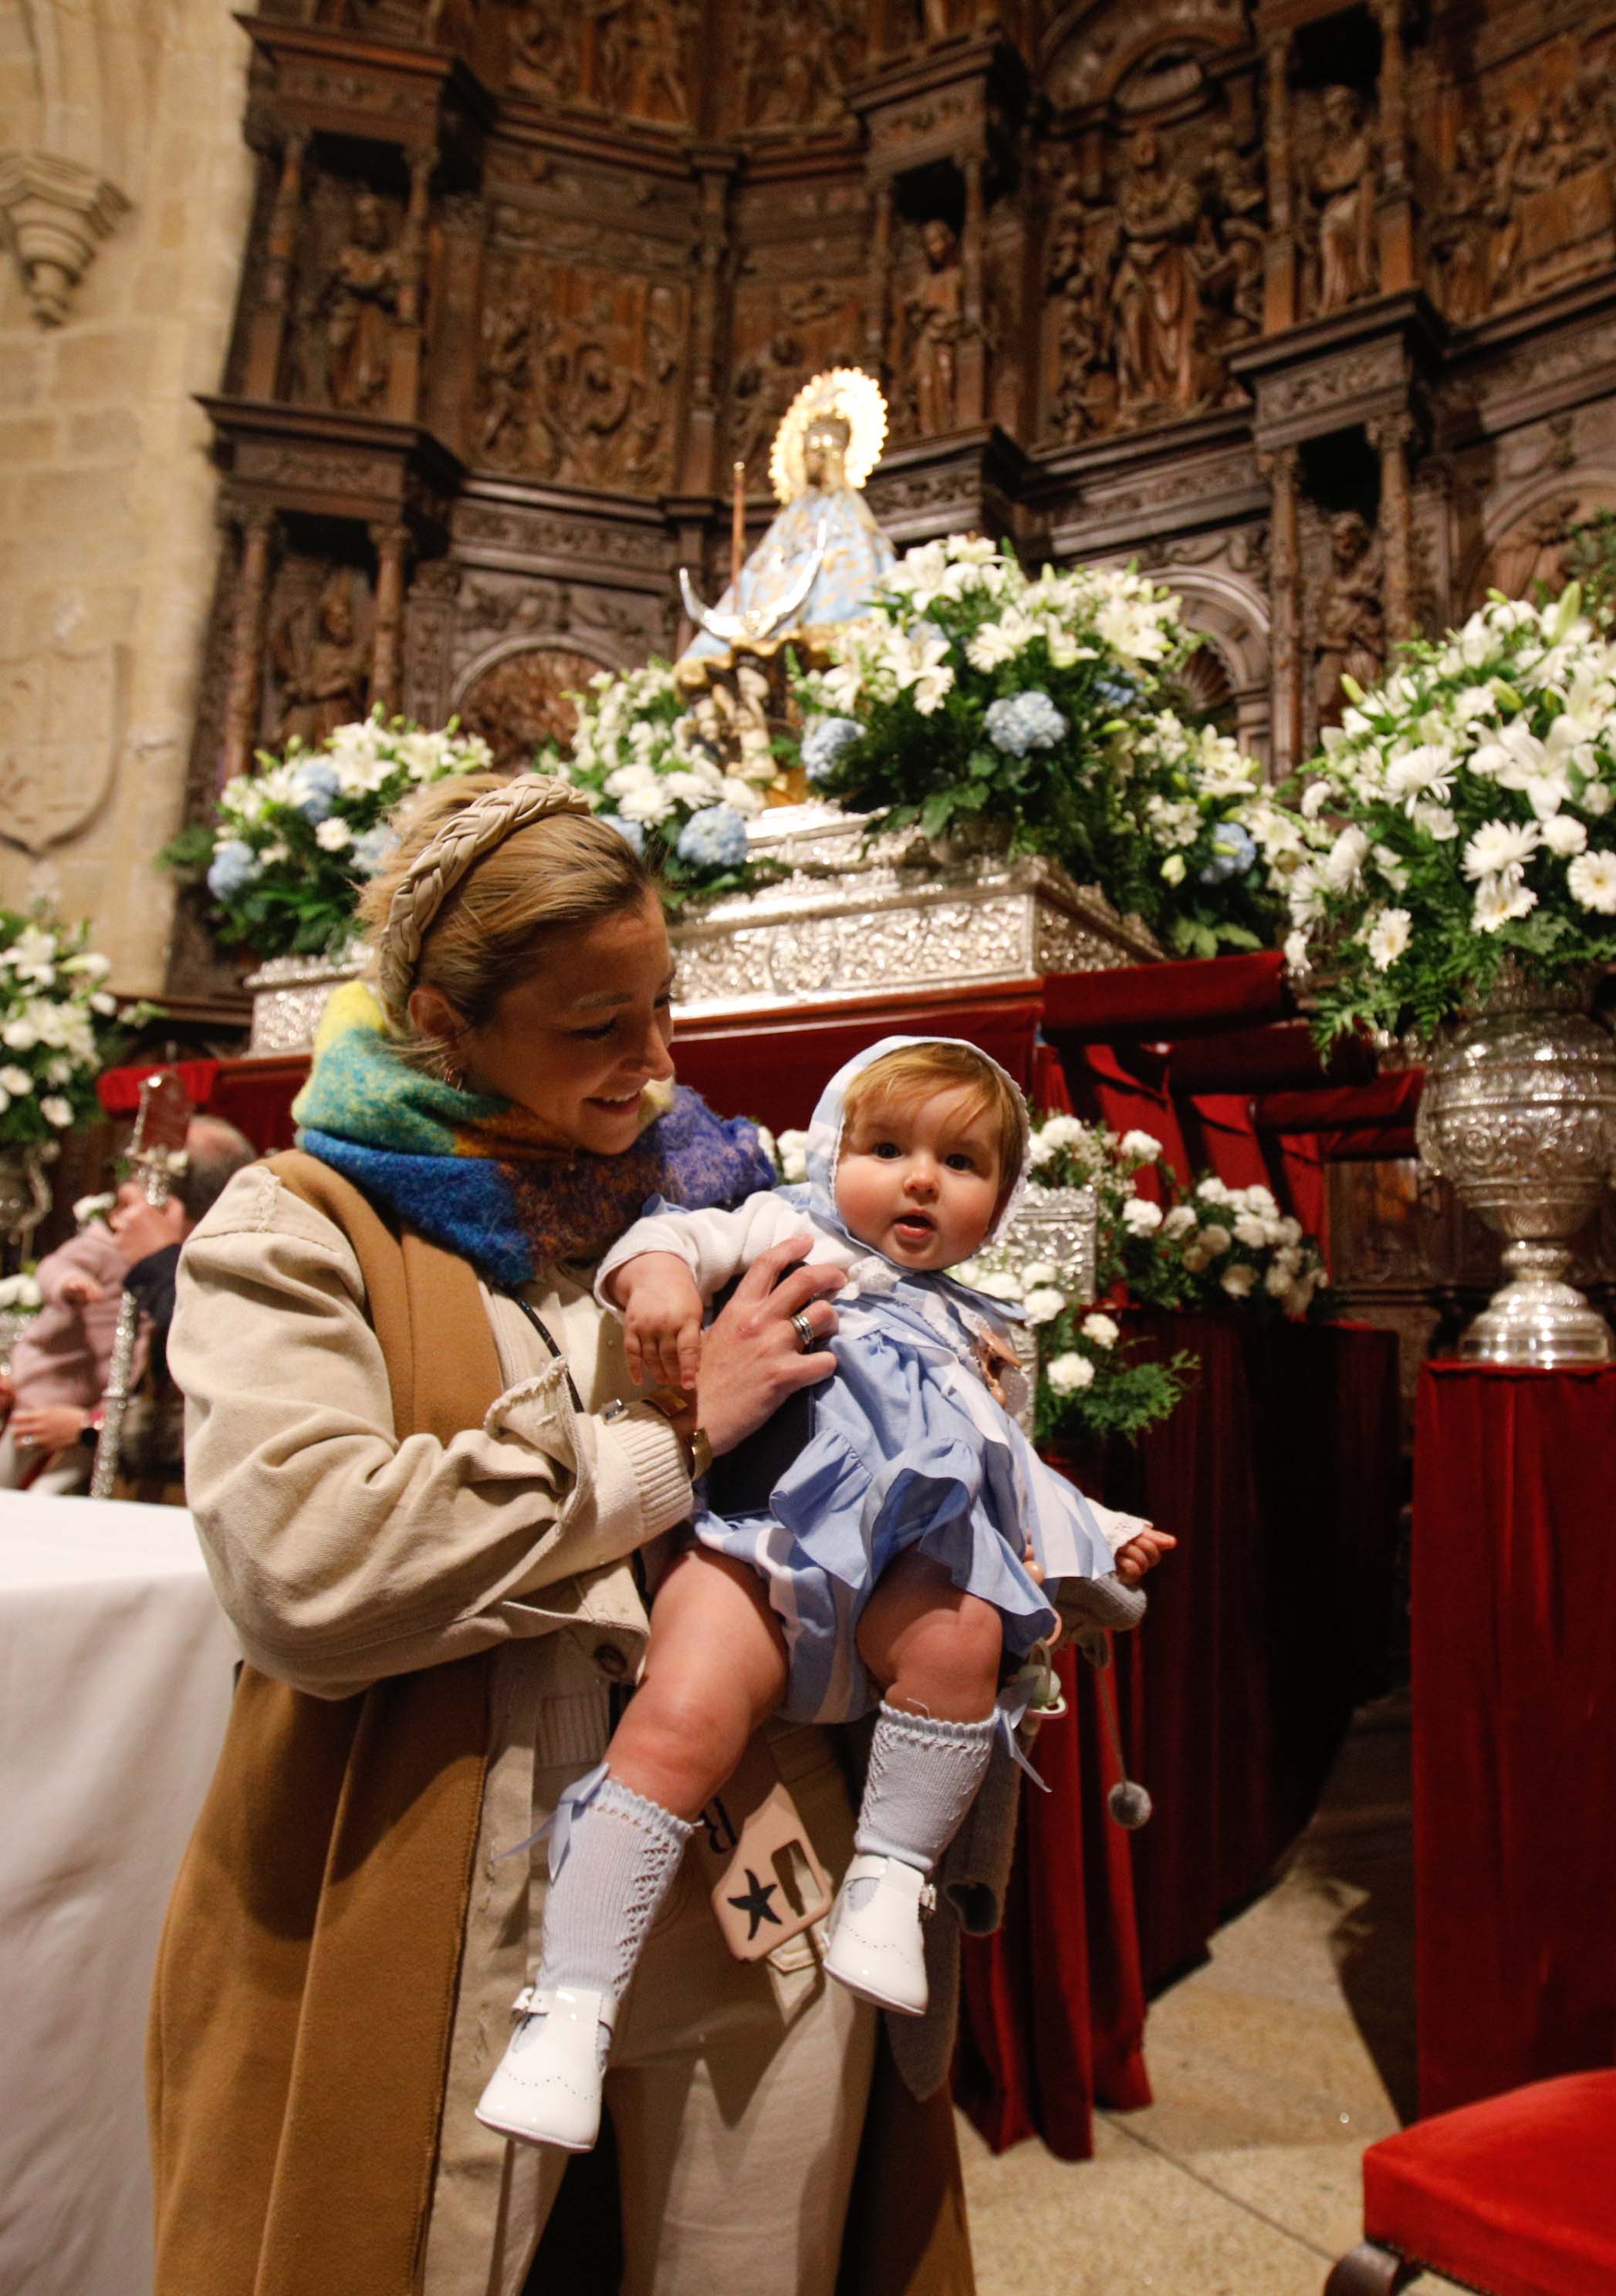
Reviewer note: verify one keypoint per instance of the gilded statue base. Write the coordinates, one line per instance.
(851, 920)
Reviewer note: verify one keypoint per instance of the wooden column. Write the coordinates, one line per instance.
(875, 287)
(244, 697)
(1390, 436)
(970, 384)
(698, 461)
(452, 323)
(1395, 199)
(387, 654)
(404, 375)
(1280, 468)
(266, 328)
(1279, 253)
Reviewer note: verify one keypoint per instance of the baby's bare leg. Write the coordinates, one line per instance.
(715, 1668)
(932, 1649)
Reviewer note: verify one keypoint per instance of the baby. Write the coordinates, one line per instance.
(909, 1548)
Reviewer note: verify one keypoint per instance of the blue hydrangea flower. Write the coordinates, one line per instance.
(1234, 850)
(714, 839)
(314, 789)
(235, 866)
(1116, 692)
(1018, 722)
(373, 848)
(633, 831)
(823, 742)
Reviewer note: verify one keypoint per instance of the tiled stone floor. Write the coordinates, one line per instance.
(1273, 2066)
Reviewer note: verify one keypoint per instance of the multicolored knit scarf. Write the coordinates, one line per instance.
(469, 1170)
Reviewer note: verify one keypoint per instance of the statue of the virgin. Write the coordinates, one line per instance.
(824, 552)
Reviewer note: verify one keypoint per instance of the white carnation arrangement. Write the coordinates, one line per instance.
(1237, 1245)
(20, 1295)
(1460, 817)
(291, 843)
(58, 1027)
(648, 758)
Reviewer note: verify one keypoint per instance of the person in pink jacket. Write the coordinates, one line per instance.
(60, 1366)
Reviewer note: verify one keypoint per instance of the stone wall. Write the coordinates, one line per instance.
(125, 190)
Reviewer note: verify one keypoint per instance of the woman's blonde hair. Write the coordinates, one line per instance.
(915, 1070)
(564, 868)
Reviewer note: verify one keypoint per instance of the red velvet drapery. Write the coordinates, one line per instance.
(1514, 1727)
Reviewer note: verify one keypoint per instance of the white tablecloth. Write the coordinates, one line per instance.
(115, 1681)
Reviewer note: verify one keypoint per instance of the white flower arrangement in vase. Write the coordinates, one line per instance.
(57, 1027)
(1460, 818)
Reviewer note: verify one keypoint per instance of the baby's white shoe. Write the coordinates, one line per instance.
(876, 1947)
(547, 2087)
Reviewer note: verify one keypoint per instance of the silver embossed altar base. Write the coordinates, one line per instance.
(851, 919)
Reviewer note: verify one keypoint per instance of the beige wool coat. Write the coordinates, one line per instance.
(394, 1488)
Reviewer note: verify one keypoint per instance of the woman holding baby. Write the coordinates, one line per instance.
(434, 1503)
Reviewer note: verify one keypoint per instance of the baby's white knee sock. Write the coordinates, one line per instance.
(923, 1778)
(622, 1852)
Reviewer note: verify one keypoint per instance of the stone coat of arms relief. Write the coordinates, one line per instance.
(63, 718)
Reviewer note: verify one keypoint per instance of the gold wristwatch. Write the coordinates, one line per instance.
(673, 1405)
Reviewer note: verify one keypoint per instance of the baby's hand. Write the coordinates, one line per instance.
(661, 1319)
(1141, 1553)
(79, 1290)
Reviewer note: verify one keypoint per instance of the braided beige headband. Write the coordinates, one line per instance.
(439, 867)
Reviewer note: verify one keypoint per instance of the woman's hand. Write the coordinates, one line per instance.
(752, 1356)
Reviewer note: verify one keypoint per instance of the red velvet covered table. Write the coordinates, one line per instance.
(1279, 1474)
(1514, 1727)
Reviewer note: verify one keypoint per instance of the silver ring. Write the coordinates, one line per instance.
(807, 1338)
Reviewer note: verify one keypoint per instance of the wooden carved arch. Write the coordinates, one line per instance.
(514, 694)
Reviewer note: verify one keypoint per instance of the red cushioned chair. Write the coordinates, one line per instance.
(1515, 2196)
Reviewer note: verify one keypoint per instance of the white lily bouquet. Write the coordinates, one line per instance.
(291, 844)
(647, 757)
(20, 1296)
(1460, 816)
(973, 696)
(57, 1027)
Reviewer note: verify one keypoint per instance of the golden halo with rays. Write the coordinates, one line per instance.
(845, 390)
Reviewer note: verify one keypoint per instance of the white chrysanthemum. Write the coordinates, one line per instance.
(1239, 1280)
(1592, 877)
(1343, 865)
(1277, 1282)
(999, 1283)
(1387, 937)
(1062, 1131)
(1140, 1216)
(1216, 1238)
(1178, 1221)
(334, 834)
(1101, 1331)
(1501, 898)
(793, 1154)
(1500, 844)
(1296, 953)
(1140, 1148)
(56, 1111)
(1039, 1150)
(646, 800)
(1069, 1373)
(1438, 821)
(1213, 1191)
(1251, 1231)
(1565, 836)
(15, 1080)
(1043, 1303)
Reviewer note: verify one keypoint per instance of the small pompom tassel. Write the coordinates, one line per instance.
(1129, 1804)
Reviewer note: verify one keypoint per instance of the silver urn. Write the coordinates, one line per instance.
(1519, 1112)
(25, 1197)
(1063, 1226)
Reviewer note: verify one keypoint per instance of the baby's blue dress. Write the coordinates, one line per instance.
(908, 1449)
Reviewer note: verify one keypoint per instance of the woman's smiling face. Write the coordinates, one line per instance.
(577, 1043)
